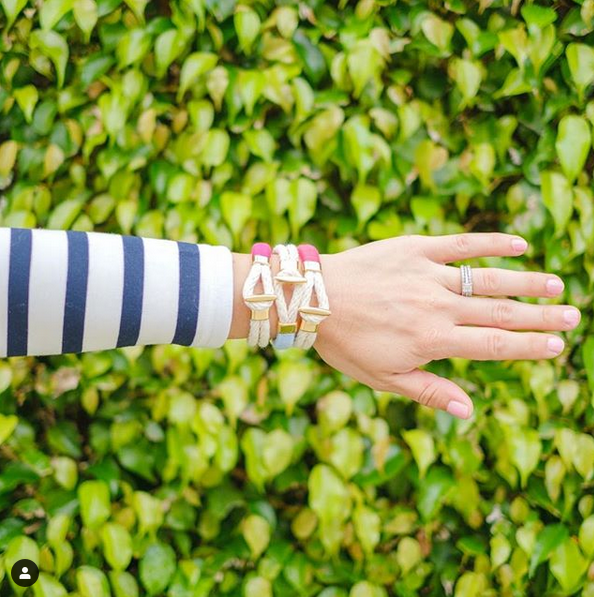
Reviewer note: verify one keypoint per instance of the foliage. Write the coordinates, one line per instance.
(171, 471)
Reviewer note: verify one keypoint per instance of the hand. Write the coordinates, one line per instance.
(396, 306)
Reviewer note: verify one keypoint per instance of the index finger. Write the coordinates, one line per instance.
(456, 247)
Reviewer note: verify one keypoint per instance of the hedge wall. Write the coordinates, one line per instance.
(164, 470)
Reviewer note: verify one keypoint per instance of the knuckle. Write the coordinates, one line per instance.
(491, 281)
(462, 243)
(429, 395)
(430, 341)
(495, 345)
(502, 313)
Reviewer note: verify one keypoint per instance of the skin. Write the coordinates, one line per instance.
(396, 306)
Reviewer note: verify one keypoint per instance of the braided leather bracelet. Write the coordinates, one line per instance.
(288, 274)
(311, 316)
(259, 304)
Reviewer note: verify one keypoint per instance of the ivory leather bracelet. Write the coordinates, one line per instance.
(259, 304)
(311, 316)
(288, 274)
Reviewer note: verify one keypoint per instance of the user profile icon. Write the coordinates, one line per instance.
(24, 573)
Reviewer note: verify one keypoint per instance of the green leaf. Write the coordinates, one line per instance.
(133, 47)
(117, 545)
(422, 447)
(92, 582)
(236, 209)
(437, 31)
(27, 98)
(277, 452)
(541, 16)
(568, 565)
(573, 145)
(12, 9)
(525, 449)
(85, 15)
(48, 586)
(194, 66)
(366, 200)
(580, 58)
(367, 526)
(256, 532)
(294, 378)
(557, 196)
(247, 26)
(168, 46)
(302, 206)
(95, 507)
(52, 11)
(468, 75)
(586, 536)
(546, 541)
(157, 567)
(54, 46)
(8, 424)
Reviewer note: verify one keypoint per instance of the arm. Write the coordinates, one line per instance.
(70, 291)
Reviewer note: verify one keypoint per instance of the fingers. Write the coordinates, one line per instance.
(514, 315)
(491, 281)
(436, 392)
(492, 344)
(456, 247)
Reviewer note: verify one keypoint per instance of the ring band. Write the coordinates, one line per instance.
(466, 273)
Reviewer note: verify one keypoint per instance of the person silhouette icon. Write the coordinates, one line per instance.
(24, 574)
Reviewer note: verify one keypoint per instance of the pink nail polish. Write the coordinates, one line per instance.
(458, 409)
(519, 244)
(555, 286)
(571, 316)
(555, 345)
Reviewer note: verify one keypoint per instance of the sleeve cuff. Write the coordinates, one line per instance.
(215, 309)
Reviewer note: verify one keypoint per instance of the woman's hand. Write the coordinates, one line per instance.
(396, 306)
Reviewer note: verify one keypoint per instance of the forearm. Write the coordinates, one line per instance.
(67, 291)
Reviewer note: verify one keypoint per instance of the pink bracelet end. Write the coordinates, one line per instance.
(308, 253)
(263, 249)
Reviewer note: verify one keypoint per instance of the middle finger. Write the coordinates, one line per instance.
(514, 315)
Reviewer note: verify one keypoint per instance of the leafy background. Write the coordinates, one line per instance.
(165, 470)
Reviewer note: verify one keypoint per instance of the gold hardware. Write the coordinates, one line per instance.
(315, 311)
(289, 279)
(287, 328)
(308, 326)
(259, 298)
(260, 315)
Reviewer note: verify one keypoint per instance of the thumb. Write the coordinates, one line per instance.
(436, 392)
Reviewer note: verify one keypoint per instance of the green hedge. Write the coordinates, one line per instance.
(184, 472)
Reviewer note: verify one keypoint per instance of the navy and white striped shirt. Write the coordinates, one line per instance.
(64, 291)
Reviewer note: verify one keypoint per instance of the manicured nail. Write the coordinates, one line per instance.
(519, 244)
(555, 345)
(571, 316)
(555, 286)
(458, 409)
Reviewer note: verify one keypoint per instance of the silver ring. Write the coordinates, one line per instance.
(466, 273)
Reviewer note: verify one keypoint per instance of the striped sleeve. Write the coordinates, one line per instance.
(66, 291)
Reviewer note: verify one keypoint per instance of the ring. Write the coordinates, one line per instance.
(466, 273)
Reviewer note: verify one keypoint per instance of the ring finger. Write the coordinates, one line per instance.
(514, 315)
(492, 281)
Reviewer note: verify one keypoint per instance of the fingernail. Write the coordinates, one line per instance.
(519, 244)
(555, 286)
(571, 316)
(458, 409)
(555, 345)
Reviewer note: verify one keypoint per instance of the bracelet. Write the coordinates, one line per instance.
(288, 274)
(259, 304)
(311, 317)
